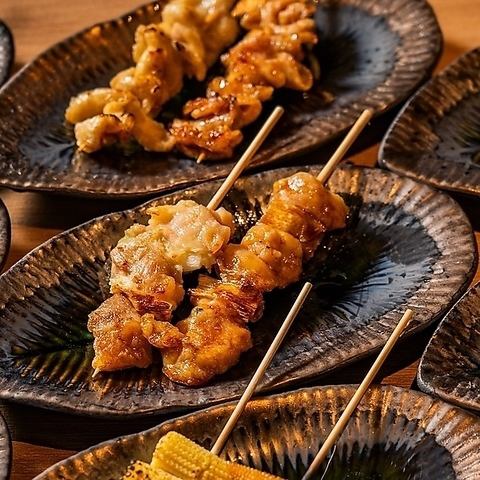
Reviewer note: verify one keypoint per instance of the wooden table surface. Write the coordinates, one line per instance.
(42, 438)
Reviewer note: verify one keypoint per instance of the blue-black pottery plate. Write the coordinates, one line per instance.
(5, 450)
(5, 234)
(394, 434)
(371, 54)
(436, 136)
(7, 52)
(406, 244)
(450, 366)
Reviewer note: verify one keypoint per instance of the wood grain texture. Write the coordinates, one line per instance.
(43, 438)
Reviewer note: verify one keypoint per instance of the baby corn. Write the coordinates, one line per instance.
(186, 460)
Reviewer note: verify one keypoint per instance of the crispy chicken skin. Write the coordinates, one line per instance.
(147, 267)
(142, 271)
(200, 29)
(193, 235)
(119, 342)
(187, 41)
(121, 121)
(158, 74)
(268, 57)
(303, 207)
(148, 262)
(212, 338)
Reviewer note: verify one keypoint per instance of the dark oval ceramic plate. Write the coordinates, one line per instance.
(406, 244)
(5, 450)
(5, 234)
(7, 52)
(372, 54)
(450, 366)
(436, 136)
(394, 434)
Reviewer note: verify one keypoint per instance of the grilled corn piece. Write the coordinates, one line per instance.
(185, 459)
(143, 471)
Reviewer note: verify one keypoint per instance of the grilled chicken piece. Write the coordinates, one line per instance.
(187, 42)
(280, 16)
(213, 336)
(121, 121)
(118, 339)
(269, 256)
(303, 207)
(266, 258)
(143, 272)
(200, 29)
(90, 103)
(193, 235)
(148, 262)
(267, 58)
(158, 74)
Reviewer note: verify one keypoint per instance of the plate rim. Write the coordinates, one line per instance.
(385, 162)
(5, 469)
(436, 38)
(387, 389)
(427, 386)
(6, 225)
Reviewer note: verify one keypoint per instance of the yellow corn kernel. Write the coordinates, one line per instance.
(143, 471)
(181, 457)
(240, 472)
(185, 459)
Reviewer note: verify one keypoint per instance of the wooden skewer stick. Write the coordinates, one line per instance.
(245, 159)
(258, 375)
(237, 170)
(347, 142)
(357, 397)
(324, 175)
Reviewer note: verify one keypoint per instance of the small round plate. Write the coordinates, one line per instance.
(450, 366)
(436, 136)
(5, 450)
(394, 433)
(406, 244)
(372, 54)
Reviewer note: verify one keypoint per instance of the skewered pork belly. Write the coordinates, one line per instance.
(270, 256)
(187, 42)
(267, 58)
(146, 274)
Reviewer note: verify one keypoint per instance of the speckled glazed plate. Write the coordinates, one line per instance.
(5, 234)
(406, 244)
(7, 52)
(436, 137)
(394, 434)
(372, 54)
(5, 450)
(450, 366)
